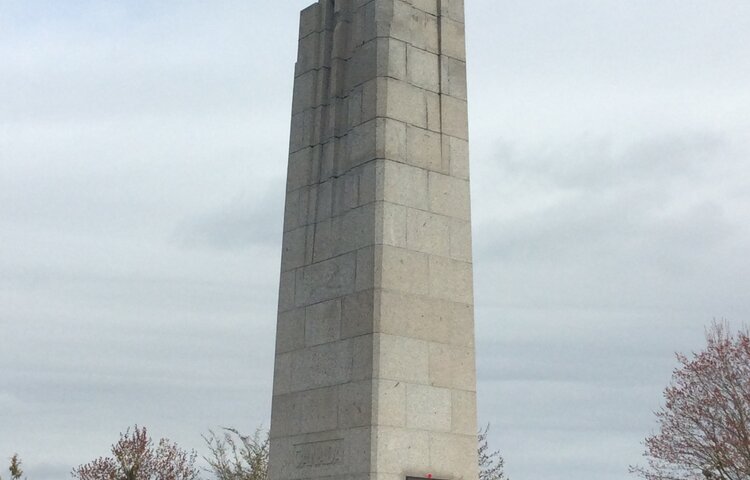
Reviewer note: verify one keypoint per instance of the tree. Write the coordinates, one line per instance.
(134, 457)
(704, 425)
(15, 468)
(491, 464)
(238, 457)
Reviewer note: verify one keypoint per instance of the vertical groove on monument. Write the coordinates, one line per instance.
(374, 373)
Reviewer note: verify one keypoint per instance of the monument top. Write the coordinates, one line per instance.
(374, 373)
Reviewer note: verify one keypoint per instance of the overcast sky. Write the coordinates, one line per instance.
(142, 162)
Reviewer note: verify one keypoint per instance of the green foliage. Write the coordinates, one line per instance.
(16, 472)
(238, 457)
(491, 463)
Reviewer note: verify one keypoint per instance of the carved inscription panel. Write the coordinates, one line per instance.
(319, 454)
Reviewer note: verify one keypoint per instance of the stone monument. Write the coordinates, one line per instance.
(374, 370)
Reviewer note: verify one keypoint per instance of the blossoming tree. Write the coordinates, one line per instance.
(704, 425)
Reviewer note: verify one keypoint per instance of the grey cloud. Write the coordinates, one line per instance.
(628, 48)
(603, 362)
(602, 164)
(611, 225)
(50, 470)
(577, 428)
(634, 228)
(108, 62)
(99, 293)
(595, 260)
(244, 223)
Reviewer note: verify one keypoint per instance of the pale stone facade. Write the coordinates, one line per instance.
(374, 373)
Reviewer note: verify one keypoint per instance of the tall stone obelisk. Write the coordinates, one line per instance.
(374, 374)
